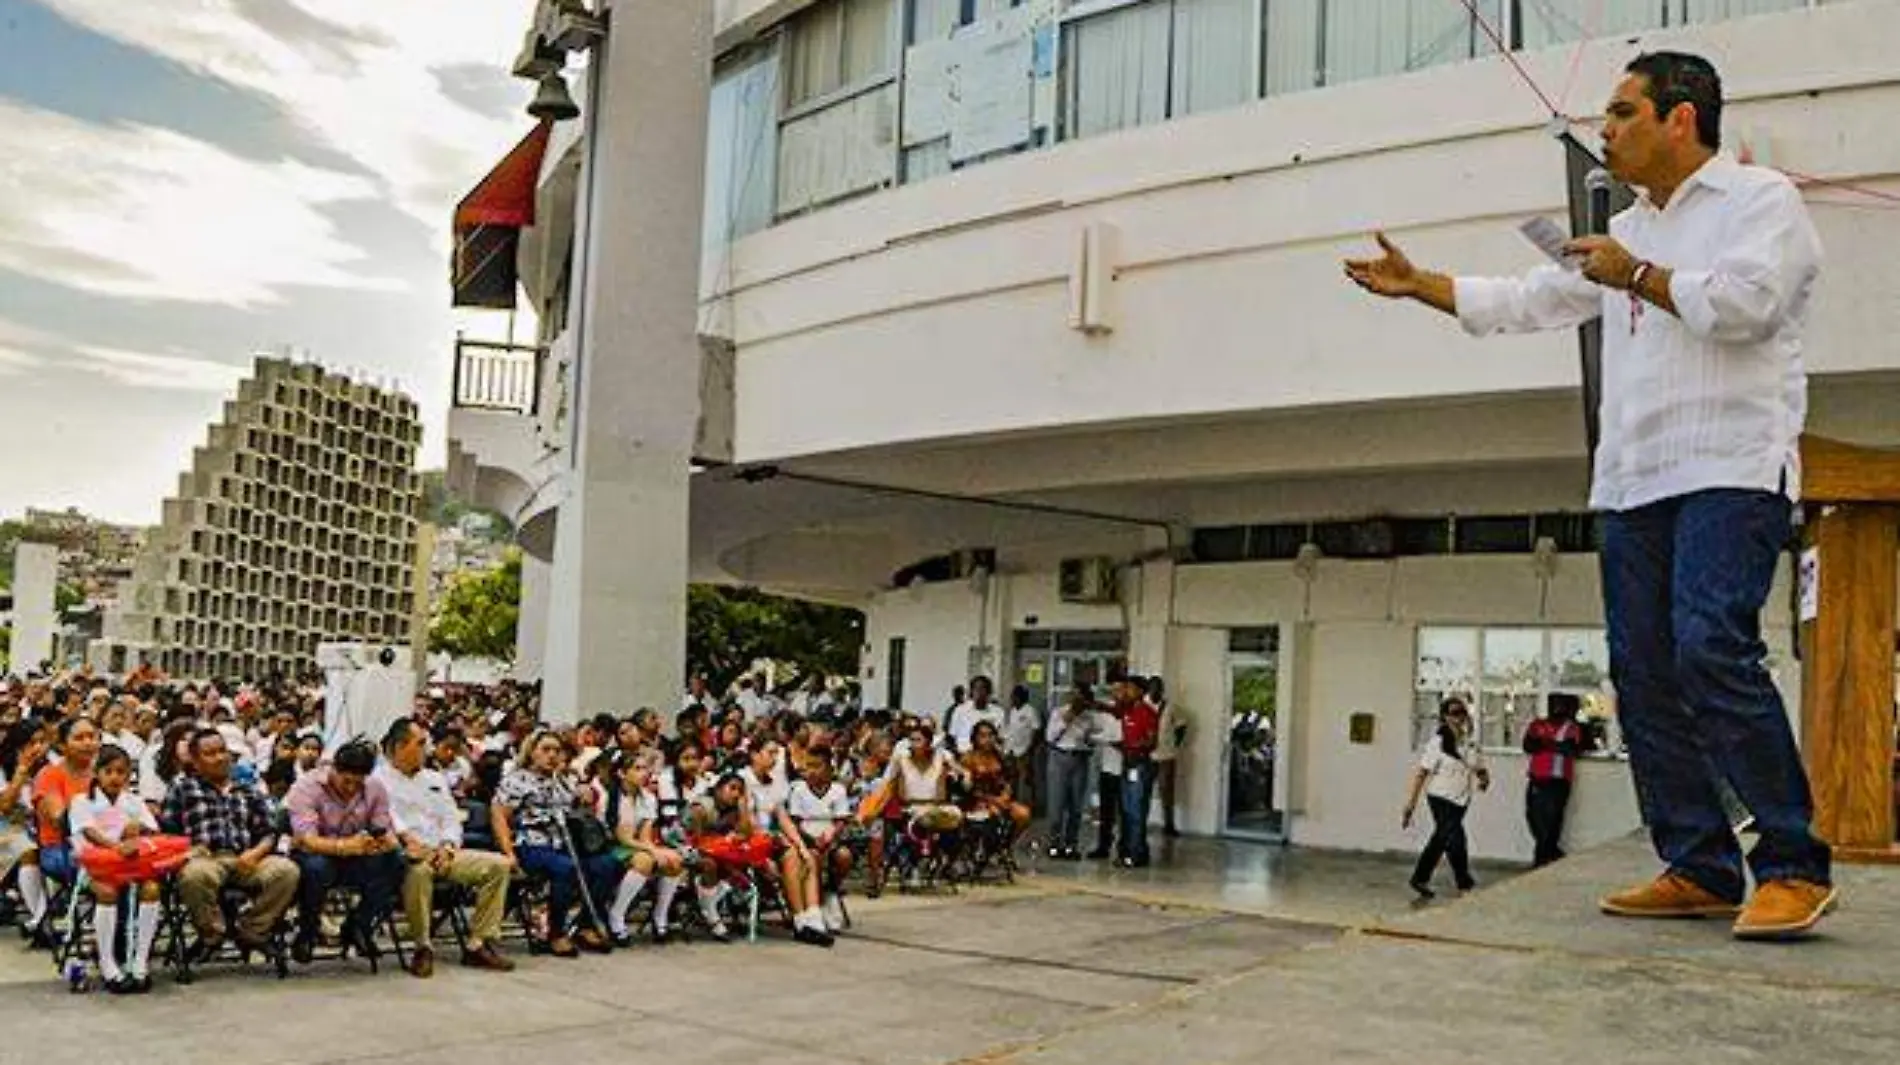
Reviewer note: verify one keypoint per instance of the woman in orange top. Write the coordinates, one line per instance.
(54, 790)
(988, 776)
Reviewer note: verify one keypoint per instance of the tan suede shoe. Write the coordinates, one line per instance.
(1785, 909)
(1669, 895)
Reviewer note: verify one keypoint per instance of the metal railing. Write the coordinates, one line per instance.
(492, 376)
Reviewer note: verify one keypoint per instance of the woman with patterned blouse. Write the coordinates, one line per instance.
(529, 816)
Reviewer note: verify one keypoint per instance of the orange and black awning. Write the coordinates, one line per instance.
(488, 224)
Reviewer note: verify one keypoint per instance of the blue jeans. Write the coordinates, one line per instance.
(1684, 582)
(376, 877)
(554, 866)
(56, 863)
(1138, 788)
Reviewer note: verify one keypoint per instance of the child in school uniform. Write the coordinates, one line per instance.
(107, 821)
(825, 814)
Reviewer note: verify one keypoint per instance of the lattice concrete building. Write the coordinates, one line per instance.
(296, 524)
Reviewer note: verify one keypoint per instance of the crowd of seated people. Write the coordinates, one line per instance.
(288, 840)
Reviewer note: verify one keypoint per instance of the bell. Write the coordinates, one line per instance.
(552, 102)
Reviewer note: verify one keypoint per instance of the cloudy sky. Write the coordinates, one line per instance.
(186, 182)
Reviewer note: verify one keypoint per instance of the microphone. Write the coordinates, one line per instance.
(1598, 183)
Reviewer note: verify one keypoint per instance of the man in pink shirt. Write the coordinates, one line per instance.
(339, 820)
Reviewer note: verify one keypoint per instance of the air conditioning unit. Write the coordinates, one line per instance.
(1088, 580)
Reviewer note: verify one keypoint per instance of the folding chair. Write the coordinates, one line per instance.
(183, 949)
(448, 904)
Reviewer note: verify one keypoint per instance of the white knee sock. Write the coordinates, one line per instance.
(105, 927)
(663, 900)
(147, 935)
(709, 902)
(630, 886)
(33, 893)
(811, 917)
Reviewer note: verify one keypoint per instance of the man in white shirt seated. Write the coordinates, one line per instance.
(428, 824)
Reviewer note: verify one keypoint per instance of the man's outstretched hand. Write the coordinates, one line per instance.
(1391, 275)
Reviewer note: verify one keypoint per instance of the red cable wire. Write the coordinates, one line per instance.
(1805, 180)
(1504, 50)
(1588, 28)
(1497, 39)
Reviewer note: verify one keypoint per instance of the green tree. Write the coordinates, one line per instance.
(477, 616)
(11, 533)
(65, 599)
(727, 629)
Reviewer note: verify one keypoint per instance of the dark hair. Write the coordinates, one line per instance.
(110, 754)
(281, 772)
(67, 726)
(399, 730)
(1447, 736)
(356, 756)
(1563, 706)
(15, 741)
(199, 736)
(1677, 78)
(165, 763)
(487, 776)
(605, 723)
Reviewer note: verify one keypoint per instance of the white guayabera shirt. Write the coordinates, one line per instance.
(1717, 396)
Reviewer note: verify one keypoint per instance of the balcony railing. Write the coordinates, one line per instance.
(492, 376)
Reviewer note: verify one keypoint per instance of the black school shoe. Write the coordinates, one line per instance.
(813, 937)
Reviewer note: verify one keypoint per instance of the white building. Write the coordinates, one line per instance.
(1021, 327)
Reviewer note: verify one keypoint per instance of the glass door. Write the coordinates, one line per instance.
(1050, 663)
(1256, 738)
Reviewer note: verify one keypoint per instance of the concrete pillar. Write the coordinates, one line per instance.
(35, 617)
(531, 627)
(617, 619)
(1149, 589)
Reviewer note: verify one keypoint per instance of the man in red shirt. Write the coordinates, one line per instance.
(1554, 742)
(1141, 732)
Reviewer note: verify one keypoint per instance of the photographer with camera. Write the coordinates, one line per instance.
(339, 820)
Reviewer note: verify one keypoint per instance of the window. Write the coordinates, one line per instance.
(741, 148)
(894, 673)
(1541, 23)
(837, 45)
(1372, 38)
(838, 134)
(1507, 673)
(1137, 64)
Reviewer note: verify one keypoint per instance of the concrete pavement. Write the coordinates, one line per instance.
(1091, 967)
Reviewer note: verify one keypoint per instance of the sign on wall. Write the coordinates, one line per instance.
(979, 88)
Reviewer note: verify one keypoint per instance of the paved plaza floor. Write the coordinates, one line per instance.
(1317, 958)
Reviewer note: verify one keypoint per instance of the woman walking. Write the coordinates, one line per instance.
(1450, 771)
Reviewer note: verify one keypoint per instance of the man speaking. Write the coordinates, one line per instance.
(1703, 288)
